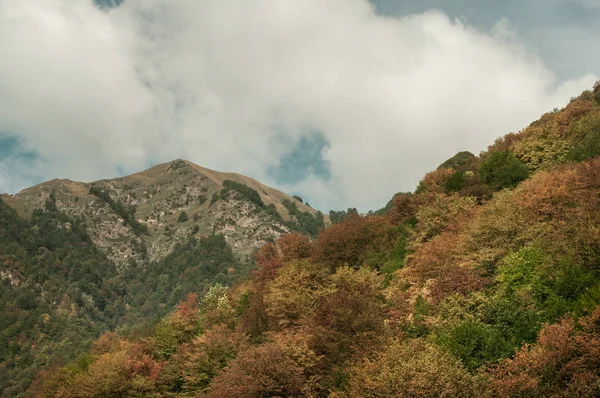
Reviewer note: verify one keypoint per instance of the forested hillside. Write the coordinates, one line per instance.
(78, 259)
(483, 282)
(59, 291)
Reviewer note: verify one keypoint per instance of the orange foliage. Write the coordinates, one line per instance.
(294, 246)
(558, 208)
(564, 361)
(48, 382)
(588, 178)
(128, 371)
(254, 321)
(196, 363)
(549, 195)
(439, 211)
(268, 259)
(350, 319)
(433, 257)
(434, 181)
(263, 371)
(293, 295)
(405, 207)
(351, 241)
(458, 279)
(563, 207)
(439, 266)
(186, 312)
(321, 306)
(140, 361)
(107, 342)
(574, 110)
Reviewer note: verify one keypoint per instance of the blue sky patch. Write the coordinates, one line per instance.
(12, 147)
(302, 160)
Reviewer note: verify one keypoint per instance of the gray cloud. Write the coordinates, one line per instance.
(564, 33)
(233, 84)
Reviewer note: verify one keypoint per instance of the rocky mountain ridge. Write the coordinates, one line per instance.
(143, 216)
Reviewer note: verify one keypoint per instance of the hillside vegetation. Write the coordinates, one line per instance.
(60, 292)
(79, 259)
(484, 282)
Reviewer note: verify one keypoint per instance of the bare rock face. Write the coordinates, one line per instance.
(142, 221)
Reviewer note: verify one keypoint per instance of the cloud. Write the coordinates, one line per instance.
(232, 84)
(563, 32)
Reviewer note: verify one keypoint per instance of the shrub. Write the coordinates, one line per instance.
(462, 161)
(456, 182)
(183, 217)
(303, 222)
(502, 169)
(251, 194)
(588, 147)
(473, 342)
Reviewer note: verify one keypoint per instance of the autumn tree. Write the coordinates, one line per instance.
(295, 292)
(263, 371)
(350, 318)
(565, 361)
(254, 319)
(294, 246)
(411, 369)
(355, 242)
(177, 328)
(502, 169)
(437, 214)
(196, 363)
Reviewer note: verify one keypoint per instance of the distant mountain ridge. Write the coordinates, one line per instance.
(156, 198)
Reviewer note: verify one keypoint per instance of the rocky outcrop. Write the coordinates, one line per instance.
(142, 222)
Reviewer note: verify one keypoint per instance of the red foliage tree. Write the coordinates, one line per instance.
(404, 208)
(350, 320)
(268, 259)
(565, 361)
(263, 371)
(294, 246)
(352, 241)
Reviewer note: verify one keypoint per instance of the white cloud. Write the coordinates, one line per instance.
(218, 82)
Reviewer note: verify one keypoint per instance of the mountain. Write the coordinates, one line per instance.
(77, 259)
(137, 218)
(483, 282)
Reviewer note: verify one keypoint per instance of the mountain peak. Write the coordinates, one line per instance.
(139, 217)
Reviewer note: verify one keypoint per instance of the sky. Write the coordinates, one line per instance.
(344, 102)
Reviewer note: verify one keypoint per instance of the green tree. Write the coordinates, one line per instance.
(183, 217)
(502, 169)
